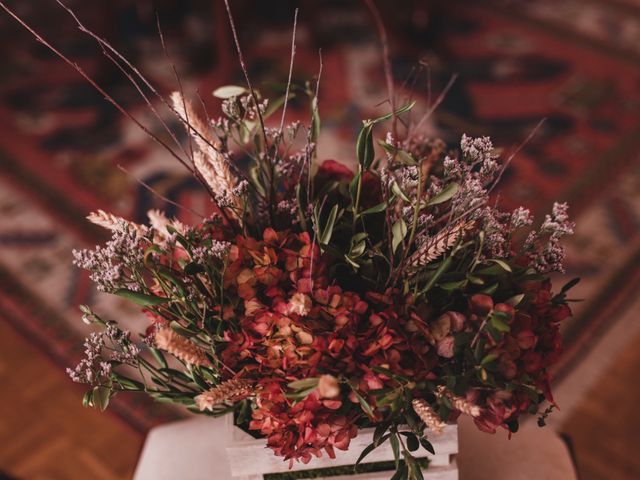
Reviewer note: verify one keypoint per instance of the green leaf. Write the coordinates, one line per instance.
(315, 120)
(328, 228)
(357, 250)
(368, 449)
(412, 442)
(159, 357)
(87, 400)
(490, 290)
(453, 285)
(404, 108)
(364, 146)
(127, 383)
(228, 91)
(499, 324)
(395, 446)
(398, 231)
(379, 434)
(275, 105)
(193, 268)
(415, 472)
(475, 280)
(488, 359)
(401, 156)
(504, 265)
(304, 383)
(167, 275)
(365, 405)
(401, 473)
(426, 444)
(100, 397)
(141, 299)
(390, 374)
(300, 394)
(381, 207)
(515, 300)
(353, 187)
(446, 194)
(185, 332)
(395, 188)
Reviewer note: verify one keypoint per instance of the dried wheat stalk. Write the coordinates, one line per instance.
(160, 222)
(444, 241)
(180, 347)
(207, 159)
(113, 222)
(428, 415)
(459, 403)
(228, 391)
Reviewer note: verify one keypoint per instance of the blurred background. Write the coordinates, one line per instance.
(504, 66)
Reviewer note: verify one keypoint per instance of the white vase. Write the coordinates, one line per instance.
(249, 459)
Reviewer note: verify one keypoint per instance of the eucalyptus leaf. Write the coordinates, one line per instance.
(304, 383)
(141, 299)
(504, 265)
(315, 120)
(367, 450)
(515, 300)
(395, 188)
(445, 194)
(228, 91)
(364, 147)
(395, 447)
(499, 324)
(381, 207)
(398, 231)
(426, 444)
(159, 357)
(365, 405)
(100, 397)
(402, 109)
(327, 232)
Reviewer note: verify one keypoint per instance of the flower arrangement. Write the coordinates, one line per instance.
(316, 303)
(318, 300)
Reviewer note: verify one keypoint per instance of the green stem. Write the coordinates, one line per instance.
(356, 205)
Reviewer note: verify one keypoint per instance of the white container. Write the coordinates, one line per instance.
(250, 459)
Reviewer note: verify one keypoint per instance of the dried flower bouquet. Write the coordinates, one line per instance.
(318, 300)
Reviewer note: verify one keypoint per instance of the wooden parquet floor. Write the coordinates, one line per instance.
(605, 426)
(45, 432)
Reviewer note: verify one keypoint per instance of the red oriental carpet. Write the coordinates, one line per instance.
(517, 62)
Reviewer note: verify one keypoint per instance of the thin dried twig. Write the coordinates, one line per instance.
(314, 113)
(515, 152)
(438, 101)
(158, 194)
(245, 71)
(293, 54)
(386, 59)
(115, 57)
(95, 85)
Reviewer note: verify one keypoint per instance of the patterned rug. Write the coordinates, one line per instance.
(517, 62)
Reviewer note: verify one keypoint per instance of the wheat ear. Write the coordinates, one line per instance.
(113, 222)
(159, 222)
(437, 246)
(228, 391)
(459, 403)
(207, 159)
(180, 347)
(428, 415)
